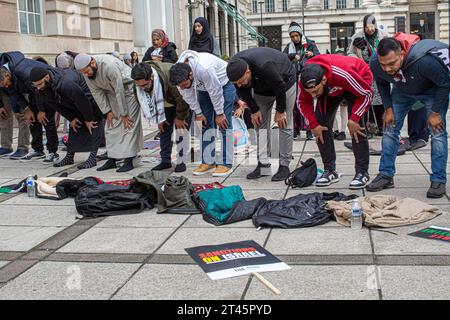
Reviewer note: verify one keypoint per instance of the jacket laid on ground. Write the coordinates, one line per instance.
(169, 53)
(272, 75)
(385, 211)
(426, 69)
(70, 96)
(344, 74)
(171, 94)
(210, 75)
(304, 210)
(20, 68)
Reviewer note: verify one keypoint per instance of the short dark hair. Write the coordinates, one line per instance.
(141, 71)
(3, 73)
(387, 45)
(179, 73)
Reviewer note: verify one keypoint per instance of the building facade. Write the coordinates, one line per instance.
(331, 23)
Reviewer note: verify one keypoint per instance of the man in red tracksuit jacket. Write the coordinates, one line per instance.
(331, 78)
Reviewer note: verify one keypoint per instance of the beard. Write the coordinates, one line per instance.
(149, 88)
(94, 73)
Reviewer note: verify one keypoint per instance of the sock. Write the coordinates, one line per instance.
(67, 161)
(90, 162)
(127, 165)
(110, 164)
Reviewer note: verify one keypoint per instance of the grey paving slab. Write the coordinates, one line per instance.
(415, 283)
(316, 283)
(23, 199)
(68, 281)
(415, 193)
(179, 282)
(146, 219)
(19, 172)
(44, 216)
(319, 241)
(403, 244)
(197, 221)
(24, 238)
(194, 237)
(4, 181)
(3, 263)
(118, 240)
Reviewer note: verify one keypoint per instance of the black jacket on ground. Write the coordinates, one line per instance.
(69, 95)
(272, 75)
(169, 53)
(20, 68)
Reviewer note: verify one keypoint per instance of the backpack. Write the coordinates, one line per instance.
(304, 176)
(94, 201)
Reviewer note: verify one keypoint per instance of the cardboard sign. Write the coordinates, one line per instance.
(434, 233)
(235, 259)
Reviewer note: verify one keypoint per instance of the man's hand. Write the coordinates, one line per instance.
(257, 119)
(435, 122)
(201, 118)
(181, 124)
(239, 111)
(318, 133)
(91, 125)
(3, 114)
(222, 122)
(389, 119)
(42, 118)
(281, 120)
(308, 54)
(355, 130)
(162, 126)
(75, 124)
(127, 122)
(110, 117)
(29, 117)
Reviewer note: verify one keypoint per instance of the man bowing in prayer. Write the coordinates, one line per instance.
(110, 82)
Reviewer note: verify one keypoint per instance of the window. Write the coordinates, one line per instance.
(285, 5)
(400, 24)
(341, 4)
(326, 4)
(30, 16)
(270, 5)
(356, 4)
(255, 6)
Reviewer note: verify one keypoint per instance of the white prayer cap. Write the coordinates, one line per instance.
(82, 60)
(64, 61)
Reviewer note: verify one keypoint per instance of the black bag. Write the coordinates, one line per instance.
(304, 176)
(109, 200)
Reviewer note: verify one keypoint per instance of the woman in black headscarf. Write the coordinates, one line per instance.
(202, 40)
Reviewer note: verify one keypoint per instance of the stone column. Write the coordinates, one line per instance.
(295, 5)
(314, 4)
(369, 3)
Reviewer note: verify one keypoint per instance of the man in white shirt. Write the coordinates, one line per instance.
(202, 81)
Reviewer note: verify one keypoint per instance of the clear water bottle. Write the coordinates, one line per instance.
(31, 187)
(357, 222)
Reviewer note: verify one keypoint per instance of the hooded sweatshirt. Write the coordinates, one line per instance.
(210, 75)
(425, 70)
(344, 74)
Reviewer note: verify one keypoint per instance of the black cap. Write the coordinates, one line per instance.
(236, 69)
(38, 73)
(312, 75)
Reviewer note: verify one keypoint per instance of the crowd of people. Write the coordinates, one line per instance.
(107, 98)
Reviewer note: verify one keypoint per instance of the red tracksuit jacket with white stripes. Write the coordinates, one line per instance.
(344, 74)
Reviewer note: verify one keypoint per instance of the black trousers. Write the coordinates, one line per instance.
(50, 132)
(327, 149)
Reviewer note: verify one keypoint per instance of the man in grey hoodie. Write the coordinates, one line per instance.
(419, 72)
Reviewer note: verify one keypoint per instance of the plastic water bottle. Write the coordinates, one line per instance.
(357, 222)
(31, 187)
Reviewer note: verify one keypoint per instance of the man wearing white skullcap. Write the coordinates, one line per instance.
(110, 82)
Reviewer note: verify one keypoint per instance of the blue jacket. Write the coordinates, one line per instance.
(426, 70)
(20, 68)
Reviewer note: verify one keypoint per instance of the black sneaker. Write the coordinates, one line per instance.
(162, 166)
(34, 155)
(257, 173)
(360, 181)
(328, 178)
(309, 136)
(282, 174)
(437, 190)
(380, 182)
(297, 135)
(51, 158)
(18, 154)
(341, 136)
(5, 152)
(180, 168)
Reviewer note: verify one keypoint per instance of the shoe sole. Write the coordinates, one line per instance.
(329, 184)
(218, 175)
(432, 196)
(357, 188)
(6, 155)
(380, 189)
(198, 174)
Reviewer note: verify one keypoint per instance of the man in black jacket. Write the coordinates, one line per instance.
(15, 77)
(66, 92)
(272, 78)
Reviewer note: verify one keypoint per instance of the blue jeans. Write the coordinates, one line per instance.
(402, 103)
(208, 141)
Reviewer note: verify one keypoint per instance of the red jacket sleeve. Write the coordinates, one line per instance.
(360, 84)
(306, 107)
